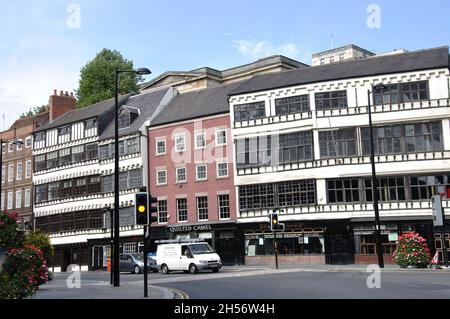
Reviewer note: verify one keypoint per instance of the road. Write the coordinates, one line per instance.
(265, 283)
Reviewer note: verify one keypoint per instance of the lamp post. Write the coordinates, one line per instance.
(142, 71)
(376, 88)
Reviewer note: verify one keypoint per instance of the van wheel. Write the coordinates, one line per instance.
(193, 269)
(137, 270)
(165, 269)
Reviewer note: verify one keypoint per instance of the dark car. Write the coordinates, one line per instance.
(134, 263)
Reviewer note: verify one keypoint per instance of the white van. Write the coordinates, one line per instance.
(188, 257)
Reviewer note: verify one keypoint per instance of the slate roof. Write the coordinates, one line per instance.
(195, 104)
(146, 103)
(84, 113)
(377, 65)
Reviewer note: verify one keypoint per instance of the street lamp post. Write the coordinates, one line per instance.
(142, 71)
(376, 88)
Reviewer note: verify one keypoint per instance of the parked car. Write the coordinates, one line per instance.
(188, 257)
(134, 263)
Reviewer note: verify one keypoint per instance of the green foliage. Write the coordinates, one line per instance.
(23, 272)
(8, 229)
(42, 241)
(97, 78)
(412, 250)
(34, 111)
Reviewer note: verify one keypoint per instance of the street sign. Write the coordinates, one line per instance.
(438, 216)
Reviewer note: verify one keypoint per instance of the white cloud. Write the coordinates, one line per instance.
(257, 50)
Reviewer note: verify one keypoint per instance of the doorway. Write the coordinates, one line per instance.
(67, 259)
(339, 246)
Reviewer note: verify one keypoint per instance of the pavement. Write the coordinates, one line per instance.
(177, 285)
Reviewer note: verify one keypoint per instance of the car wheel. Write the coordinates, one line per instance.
(193, 269)
(165, 269)
(215, 270)
(137, 270)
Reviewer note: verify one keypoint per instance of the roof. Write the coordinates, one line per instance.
(399, 63)
(84, 113)
(345, 47)
(147, 103)
(37, 119)
(195, 104)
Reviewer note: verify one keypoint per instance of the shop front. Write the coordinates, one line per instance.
(298, 244)
(222, 237)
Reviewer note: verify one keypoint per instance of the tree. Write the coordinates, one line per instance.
(34, 111)
(42, 241)
(97, 78)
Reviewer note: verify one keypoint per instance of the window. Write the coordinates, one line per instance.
(295, 147)
(407, 138)
(132, 146)
(3, 148)
(66, 188)
(10, 200)
(180, 143)
(200, 140)
(108, 184)
(341, 57)
(331, 100)
(53, 191)
(40, 163)
(424, 187)
(160, 147)
(3, 174)
(224, 206)
(107, 151)
(10, 172)
(65, 158)
(19, 171)
(221, 137)
(161, 177)
(182, 209)
(19, 199)
(250, 111)
(202, 208)
(389, 189)
(201, 172)
(322, 61)
(181, 175)
(291, 105)
(90, 124)
(332, 59)
(28, 169)
(162, 212)
(222, 169)
(136, 179)
(10, 147)
(402, 93)
(2, 200)
(41, 193)
(27, 198)
(19, 144)
(78, 154)
(338, 143)
(290, 194)
(52, 160)
(65, 130)
(343, 191)
(91, 151)
(39, 137)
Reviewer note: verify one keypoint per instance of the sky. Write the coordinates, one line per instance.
(44, 43)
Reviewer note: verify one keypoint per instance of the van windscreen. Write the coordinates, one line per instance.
(199, 249)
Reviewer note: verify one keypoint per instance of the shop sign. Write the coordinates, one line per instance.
(186, 229)
(393, 237)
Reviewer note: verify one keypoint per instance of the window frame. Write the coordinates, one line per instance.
(202, 208)
(158, 183)
(177, 181)
(218, 169)
(159, 140)
(177, 150)
(217, 136)
(197, 134)
(196, 172)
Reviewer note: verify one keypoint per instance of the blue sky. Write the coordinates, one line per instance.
(40, 51)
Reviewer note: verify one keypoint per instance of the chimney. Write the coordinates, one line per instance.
(60, 104)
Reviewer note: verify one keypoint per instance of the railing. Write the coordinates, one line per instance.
(357, 160)
(345, 208)
(419, 105)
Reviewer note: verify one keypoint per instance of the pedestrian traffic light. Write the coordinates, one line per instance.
(275, 224)
(141, 209)
(153, 210)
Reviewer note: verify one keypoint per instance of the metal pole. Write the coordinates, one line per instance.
(444, 245)
(111, 217)
(1, 172)
(275, 247)
(146, 229)
(375, 190)
(116, 183)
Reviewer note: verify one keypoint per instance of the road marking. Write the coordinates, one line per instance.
(182, 294)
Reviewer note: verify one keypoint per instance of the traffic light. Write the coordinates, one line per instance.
(275, 224)
(153, 210)
(141, 207)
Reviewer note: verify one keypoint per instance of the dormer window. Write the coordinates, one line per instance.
(127, 116)
(90, 124)
(65, 130)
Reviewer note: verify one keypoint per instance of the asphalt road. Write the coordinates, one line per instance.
(266, 283)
